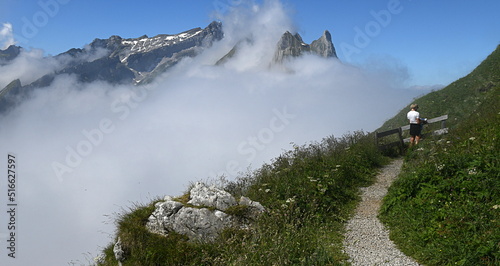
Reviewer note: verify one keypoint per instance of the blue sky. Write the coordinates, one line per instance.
(437, 41)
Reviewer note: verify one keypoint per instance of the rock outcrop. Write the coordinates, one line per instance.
(118, 251)
(208, 211)
(9, 54)
(293, 46)
(290, 45)
(324, 46)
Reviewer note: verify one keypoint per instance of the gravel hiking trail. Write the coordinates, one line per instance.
(366, 239)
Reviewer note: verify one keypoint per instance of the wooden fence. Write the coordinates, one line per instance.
(400, 142)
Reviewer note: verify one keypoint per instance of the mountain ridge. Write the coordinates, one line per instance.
(138, 61)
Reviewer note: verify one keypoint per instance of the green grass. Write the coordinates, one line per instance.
(445, 207)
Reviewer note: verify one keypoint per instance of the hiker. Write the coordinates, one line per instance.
(415, 127)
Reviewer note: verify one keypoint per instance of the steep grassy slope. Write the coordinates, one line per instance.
(445, 207)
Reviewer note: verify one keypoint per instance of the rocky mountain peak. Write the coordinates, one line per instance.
(292, 45)
(118, 60)
(139, 60)
(9, 54)
(324, 45)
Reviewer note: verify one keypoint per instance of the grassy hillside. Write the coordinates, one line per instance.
(445, 207)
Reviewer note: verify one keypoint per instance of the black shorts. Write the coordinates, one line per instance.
(415, 130)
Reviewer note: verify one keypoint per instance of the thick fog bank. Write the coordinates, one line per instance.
(85, 150)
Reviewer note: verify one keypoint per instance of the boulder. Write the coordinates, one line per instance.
(204, 216)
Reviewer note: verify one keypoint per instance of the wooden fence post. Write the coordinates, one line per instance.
(399, 131)
(401, 141)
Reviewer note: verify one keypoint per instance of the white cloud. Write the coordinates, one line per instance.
(28, 66)
(6, 36)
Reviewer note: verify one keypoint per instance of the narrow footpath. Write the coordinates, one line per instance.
(367, 240)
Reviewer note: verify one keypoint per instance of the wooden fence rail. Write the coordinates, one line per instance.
(399, 131)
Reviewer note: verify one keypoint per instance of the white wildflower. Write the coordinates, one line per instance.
(472, 171)
(100, 259)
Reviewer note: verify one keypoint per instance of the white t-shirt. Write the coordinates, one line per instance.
(413, 116)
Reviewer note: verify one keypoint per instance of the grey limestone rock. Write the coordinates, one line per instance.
(204, 216)
(117, 249)
(201, 195)
(290, 46)
(255, 207)
(202, 224)
(324, 46)
(293, 46)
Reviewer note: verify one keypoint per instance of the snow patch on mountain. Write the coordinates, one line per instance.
(145, 44)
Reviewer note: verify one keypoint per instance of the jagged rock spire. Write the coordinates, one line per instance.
(324, 46)
(292, 46)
